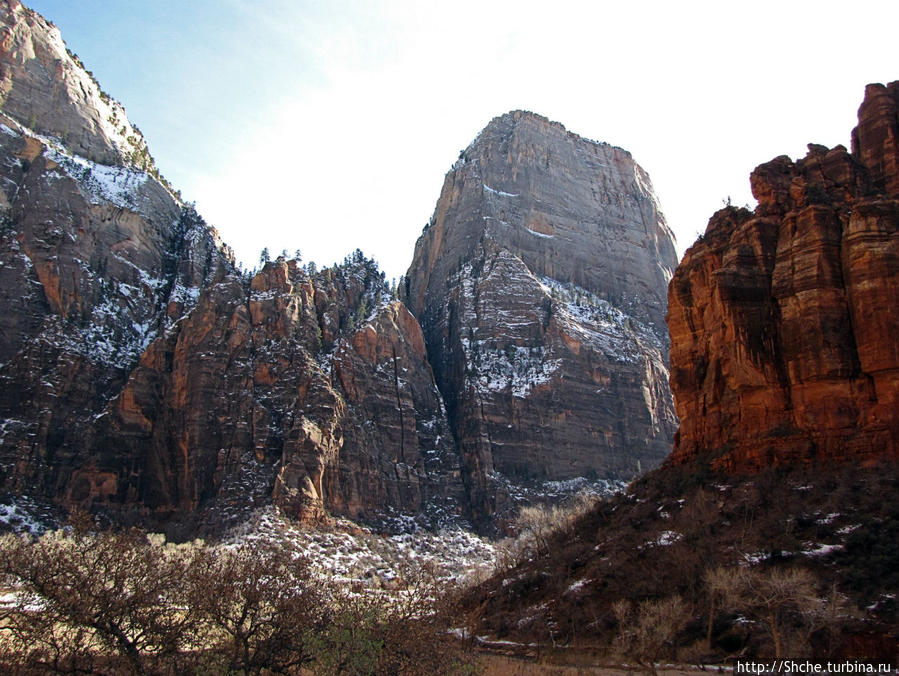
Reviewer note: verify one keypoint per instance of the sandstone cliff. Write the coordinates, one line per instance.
(142, 376)
(46, 87)
(783, 320)
(96, 260)
(307, 388)
(540, 287)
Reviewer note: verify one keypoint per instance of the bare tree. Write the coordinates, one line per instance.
(776, 598)
(538, 524)
(646, 630)
(718, 584)
(93, 602)
(117, 603)
(257, 606)
(406, 633)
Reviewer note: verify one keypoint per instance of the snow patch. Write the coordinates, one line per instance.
(576, 586)
(353, 554)
(816, 550)
(120, 186)
(21, 515)
(499, 192)
(665, 538)
(539, 234)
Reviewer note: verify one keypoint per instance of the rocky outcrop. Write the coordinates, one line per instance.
(399, 451)
(540, 287)
(247, 399)
(96, 261)
(783, 320)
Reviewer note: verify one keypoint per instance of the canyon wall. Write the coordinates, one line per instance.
(783, 320)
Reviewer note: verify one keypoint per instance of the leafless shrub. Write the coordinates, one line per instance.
(403, 633)
(647, 629)
(537, 525)
(115, 603)
(783, 601)
(106, 604)
(256, 607)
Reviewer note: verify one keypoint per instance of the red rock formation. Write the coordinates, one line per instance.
(96, 261)
(142, 376)
(783, 320)
(244, 401)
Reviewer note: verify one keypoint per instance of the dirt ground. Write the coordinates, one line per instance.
(502, 665)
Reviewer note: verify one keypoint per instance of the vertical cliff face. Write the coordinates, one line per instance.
(308, 388)
(540, 287)
(46, 87)
(142, 376)
(97, 258)
(782, 320)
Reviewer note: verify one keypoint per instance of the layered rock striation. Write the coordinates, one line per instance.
(783, 320)
(47, 88)
(540, 287)
(308, 388)
(143, 376)
(97, 259)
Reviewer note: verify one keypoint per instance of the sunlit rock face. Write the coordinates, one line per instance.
(784, 320)
(142, 376)
(307, 388)
(540, 284)
(46, 87)
(97, 260)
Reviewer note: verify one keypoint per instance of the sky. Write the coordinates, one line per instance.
(328, 125)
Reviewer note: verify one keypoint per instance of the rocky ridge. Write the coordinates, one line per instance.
(540, 287)
(96, 262)
(270, 389)
(781, 319)
(47, 88)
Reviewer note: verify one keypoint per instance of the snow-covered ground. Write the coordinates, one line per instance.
(347, 552)
(21, 514)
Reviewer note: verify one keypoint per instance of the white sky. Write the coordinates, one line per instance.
(329, 125)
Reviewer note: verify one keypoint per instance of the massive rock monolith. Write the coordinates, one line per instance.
(540, 286)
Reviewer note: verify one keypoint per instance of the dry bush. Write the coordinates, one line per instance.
(403, 633)
(645, 631)
(108, 604)
(537, 526)
(256, 608)
(783, 601)
(718, 584)
(113, 603)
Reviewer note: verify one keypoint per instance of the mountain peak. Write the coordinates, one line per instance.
(533, 124)
(46, 88)
(540, 286)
